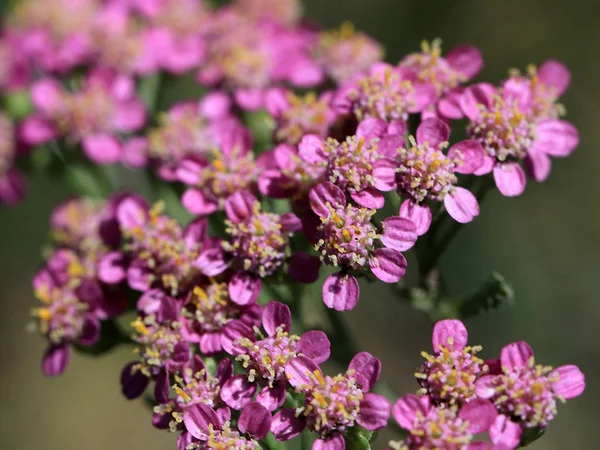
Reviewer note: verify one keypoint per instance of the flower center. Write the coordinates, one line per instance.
(350, 163)
(62, 316)
(157, 342)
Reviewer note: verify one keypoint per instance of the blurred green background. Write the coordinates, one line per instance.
(545, 242)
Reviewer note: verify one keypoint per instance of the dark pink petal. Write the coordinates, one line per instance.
(538, 165)
(285, 425)
(195, 364)
(180, 357)
(111, 268)
(388, 147)
(468, 156)
(184, 440)
(334, 442)
(369, 198)
(556, 137)
(196, 232)
(462, 205)
(341, 292)
(304, 268)
(56, 360)
(275, 315)
(325, 194)
(405, 410)
(239, 206)
(197, 419)
(505, 432)
(449, 333)
(195, 202)
(211, 262)
(224, 370)
(12, 187)
(388, 265)
(315, 345)
(162, 386)
(556, 75)
(285, 156)
(487, 166)
(249, 99)
(424, 96)
(290, 223)
(35, 130)
(255, 420)
(475, 97)
(419, 215)
(432, 131)
(244, 289)
(510, 179)
(485, 386)
(189, 169)
(133, 382)
(367, 369)
(91, 331)
(131, 213)
(480, 414)
(300, 370)
(494, 366)
(384, 174)
(398, 233)
(276, 101)
(466, 60)
(231, 333)
(371, 128)
(449, 106)
(102, 148)
(310, 149)
(516, 91)
(374, 412)
(480, 445)
(129, 116)
(237, 392)
(516, 355)
(571, 381)
(272, 398)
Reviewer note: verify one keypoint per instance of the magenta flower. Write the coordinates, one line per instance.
(15, 71)
(451, 428)
(344, 53)
(425, 173)
(285, 12)
(12, 182)
(332, 404)
(348, 239)
(207, 312)
(211, 431)
(361, 165)
(258, 244)
(448, 376)
(93, 116)
(265, 359)
(525, 394)
(159, 253)
(296, 115)
(503, 121)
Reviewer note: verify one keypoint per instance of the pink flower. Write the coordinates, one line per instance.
(265, 359)
(361, 165)
(258, 244)
(106, 105)
(448, 376)
(348, 239)
(332, 404)
(424, 173)
(12, 182)
(211, 431)
(296, 115)
(344, 53)
(208, 310)
(451, 428)
(525, 394)
(506, 124)
(286, 12)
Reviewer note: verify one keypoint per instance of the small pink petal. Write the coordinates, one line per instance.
(538, 165)
(466, 60)
(366, 368)
(468, 156)
(398, 233)
(102, 148)
(505, 432)
(56, 360)
(244, 289)
(571, 381)
(485, 386)
(341, 292)
(300, 371)
(487, 166)
(310, 149)
(556, 137)
(476, 96)
(304, 268)
(276, 315)
(516, 355)
(462, 205)
(249, 99)
(255, 420)
(516, 91)
(195, 202)
(449, 106)
(480, 414)
(211, 262)
(239, 206)
(556, 75)
(420, 215)
(384, 174)
(232, 333)
(406, 409)
(333, 442)
(197, 419)
(510, 179)
(315, 345)
(237, 392)
(285, 425)
(371, 128)
(272, 398)
(374, 412)
(432, 131)
(451, 334)
(129, 116)
(388, 265)
(325, 194)
(189, 169)
(369, 198)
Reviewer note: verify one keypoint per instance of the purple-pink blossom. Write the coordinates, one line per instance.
(12, 182)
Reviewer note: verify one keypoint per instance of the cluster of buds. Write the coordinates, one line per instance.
(281, 188)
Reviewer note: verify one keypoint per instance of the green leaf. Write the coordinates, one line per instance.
(269, 443)
(85, 181)
(531, 435)
(357, 438)
(18, 104)
(493, 293)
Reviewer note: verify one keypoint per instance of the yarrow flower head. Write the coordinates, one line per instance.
(333, 404)
(258, 244)
(526, 394)
(265, 359)
(425, 174)
(451, 428)
(348, 239)
(104, 106)
(344, 53)
(448, 376)
(361, 165)
(506, 124)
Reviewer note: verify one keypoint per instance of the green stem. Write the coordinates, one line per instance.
(343, 345)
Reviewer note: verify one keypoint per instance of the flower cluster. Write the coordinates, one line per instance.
(306, 159)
